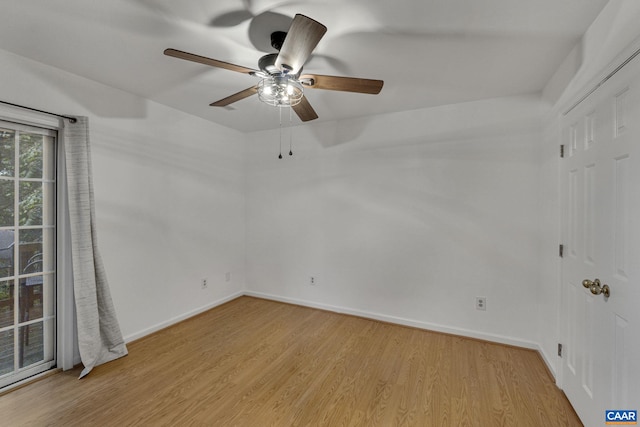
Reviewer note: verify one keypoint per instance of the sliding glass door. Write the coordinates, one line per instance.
(27, 251)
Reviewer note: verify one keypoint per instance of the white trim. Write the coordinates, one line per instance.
(66, 338)
(570, 99)
(28, 117)
(502, 339)
(34, 122)
(180, 318)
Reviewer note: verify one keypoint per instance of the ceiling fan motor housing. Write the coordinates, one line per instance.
(277, 39)
(267, 64)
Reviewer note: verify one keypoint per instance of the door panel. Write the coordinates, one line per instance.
(601, 216)
(27, 251)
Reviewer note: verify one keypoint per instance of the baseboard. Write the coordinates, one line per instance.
(501, 339)
(177, 319)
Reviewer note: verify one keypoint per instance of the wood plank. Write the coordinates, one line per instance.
(256, 362)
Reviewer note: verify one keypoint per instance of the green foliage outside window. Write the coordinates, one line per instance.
(31, 167)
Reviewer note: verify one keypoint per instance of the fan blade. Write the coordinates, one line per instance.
(208, 61)
(345, 84)
(304, 110)
(235, 97)
(303, 36)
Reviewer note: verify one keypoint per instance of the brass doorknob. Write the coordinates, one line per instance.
(588, 283)
(595, 288)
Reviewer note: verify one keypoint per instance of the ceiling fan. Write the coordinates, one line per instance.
(282, 83)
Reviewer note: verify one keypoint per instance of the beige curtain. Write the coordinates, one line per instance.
(99, 336)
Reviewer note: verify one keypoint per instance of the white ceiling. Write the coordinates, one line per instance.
(428, 52)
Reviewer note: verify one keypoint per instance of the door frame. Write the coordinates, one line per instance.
(66, 345)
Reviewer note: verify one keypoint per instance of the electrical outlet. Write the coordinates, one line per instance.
(204, 284)
(312, 280)
(481, 303)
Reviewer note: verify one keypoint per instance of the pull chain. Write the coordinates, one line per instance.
(290, 132)
(280, 112)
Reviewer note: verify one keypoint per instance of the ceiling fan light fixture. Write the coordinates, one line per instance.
(280, 91)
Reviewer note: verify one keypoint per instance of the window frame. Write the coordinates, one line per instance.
(66, 354)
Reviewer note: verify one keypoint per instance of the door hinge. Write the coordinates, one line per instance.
(559, 350)
(562, 151)
(561, 251)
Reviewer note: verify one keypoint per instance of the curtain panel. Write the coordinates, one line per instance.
(99, 336)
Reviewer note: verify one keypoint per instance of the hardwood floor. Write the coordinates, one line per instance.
(253, 363)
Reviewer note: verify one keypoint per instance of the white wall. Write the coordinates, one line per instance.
(169, 194)
(404, 217)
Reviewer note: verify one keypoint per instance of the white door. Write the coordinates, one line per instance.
(601, 231)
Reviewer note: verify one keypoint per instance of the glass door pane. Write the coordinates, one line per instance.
(27, 251)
